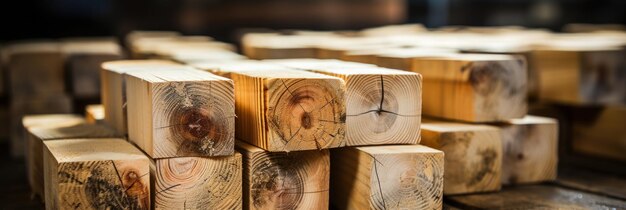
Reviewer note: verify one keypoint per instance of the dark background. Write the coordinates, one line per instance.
(224, 19)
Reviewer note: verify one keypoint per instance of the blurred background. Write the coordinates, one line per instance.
(224, 20)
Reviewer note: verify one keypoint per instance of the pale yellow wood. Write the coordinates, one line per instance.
(383, 106)
(387, 177)
(88, 174)
(198, 182)
(290, 110)
(177, 111)
(467, 87)
(113, 88)
(280, 180)
(473, 155)
(530, 150)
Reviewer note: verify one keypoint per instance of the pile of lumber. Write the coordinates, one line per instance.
(475, 95)
(349, 120)
(368, 116)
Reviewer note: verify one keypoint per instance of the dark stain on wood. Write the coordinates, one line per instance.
(102, 186)
(488, 160)
(305, 120)
(201, 132)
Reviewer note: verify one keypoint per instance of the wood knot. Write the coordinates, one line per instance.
(195, 124)
(306, 120)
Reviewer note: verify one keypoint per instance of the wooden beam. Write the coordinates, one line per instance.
(88, 174)
(473, 155)
(226, 68)
(530, 150)
(94, 114)
(197, 182)
(290, 110)
(387, 177)
(70, 128)
(280, 180)
(43, 59)
(29, 105)
(178, 111)
(383, 106)
(83, 60)
(114, 88)
(277, 46)
(468, 87)
(581, 70)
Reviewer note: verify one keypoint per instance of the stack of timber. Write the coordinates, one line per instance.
(387, 177)
(94, 114)
(57, 127)
(285, 180)
(83, 59)
(95, 174)
(290, 110)
(184, 120)
(383, 106)
(114, 88)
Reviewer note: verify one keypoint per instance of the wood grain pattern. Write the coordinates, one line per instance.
(530, 150)
(290, 110)
(114, 88)
(387, 177)
(383, 106)
(178, 111)
(279, 180)
(87, 174)
(473, 155)
(198, 182)
(68, 129)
